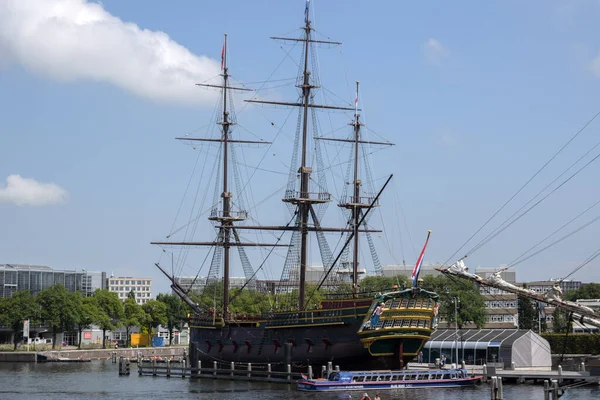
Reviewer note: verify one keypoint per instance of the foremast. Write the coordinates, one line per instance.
(226, 216)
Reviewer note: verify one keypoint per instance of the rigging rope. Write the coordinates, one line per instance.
(524, 185)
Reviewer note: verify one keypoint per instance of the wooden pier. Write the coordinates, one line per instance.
(243, 372)
(522, 376)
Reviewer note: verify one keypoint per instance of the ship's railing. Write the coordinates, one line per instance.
(242, 214)
(359, 200)
(295, 194)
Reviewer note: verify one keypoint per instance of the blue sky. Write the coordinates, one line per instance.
(475, 95)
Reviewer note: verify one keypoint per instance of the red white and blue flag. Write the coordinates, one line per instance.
(223, 54)
(415, 274)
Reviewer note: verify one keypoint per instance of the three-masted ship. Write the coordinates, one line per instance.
(353, 330)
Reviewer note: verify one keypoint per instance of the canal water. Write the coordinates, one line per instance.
(100, 380)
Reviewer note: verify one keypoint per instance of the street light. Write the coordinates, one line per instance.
(456, 301)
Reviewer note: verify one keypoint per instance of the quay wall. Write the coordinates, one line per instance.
(93, 354)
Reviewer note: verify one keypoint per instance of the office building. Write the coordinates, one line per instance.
(141, 287)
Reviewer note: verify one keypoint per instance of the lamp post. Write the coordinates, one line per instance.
(456, 301)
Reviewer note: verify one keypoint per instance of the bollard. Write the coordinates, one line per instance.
(512, 366)
(232, 367)
(310, 373)
(214, 368)
(329, 368)
(323, 371)
(463, 365)
(199, 367)
(559, 374)
(484, 373)
(168, 368)
(582, 367)
(114, 357)
(268, 371)
(337, 368)
(249, 369)
(194, 362)
(554, 390)
(183, 368)
(289, 372)
(493, 388)
(500, 395)
(546, 390)
(154, 367)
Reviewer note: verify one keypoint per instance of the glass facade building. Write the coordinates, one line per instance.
(34, 278)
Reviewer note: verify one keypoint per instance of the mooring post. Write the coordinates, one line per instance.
(310, 374)
(337, 368)
(493, 388)
(512, 366)
(168, 368)
(554, 390)
(154, 367)
(268, 371)
(582, 366)
(194, 358)
(546, 390)
(559, 374)
(329, 368)
(183, 367)
(214, 368)
(289, 372)
(232, 367)
(114, 357)
(500, 395)
(249, 374)
(485, 374)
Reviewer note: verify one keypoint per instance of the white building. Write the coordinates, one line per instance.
(141, 287)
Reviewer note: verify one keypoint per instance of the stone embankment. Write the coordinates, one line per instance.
(93, 354)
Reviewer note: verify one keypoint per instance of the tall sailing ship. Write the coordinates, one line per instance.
(352, 329)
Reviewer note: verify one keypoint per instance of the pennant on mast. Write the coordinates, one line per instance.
(223, 53)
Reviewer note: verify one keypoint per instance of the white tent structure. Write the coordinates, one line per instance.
(524, 348)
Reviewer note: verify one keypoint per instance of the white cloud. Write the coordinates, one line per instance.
(29, 192)
(72, 40)
(434, 51)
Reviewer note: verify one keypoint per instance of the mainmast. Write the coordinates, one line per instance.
(304, 199)
(226, 216)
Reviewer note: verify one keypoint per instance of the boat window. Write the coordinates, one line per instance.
(358, 379)
(397, 377)
(426, 303)
(388, 324)
(413, 322)
(453, 375)
(418, 303)
(411, 303)
(445, 376)
(370, 378)
(405, 322)
(395, 303)
(404, 303)
(409, 377)
(387, 303)
(398, 322)
(334, 376)
(423, 377)
(421, 323)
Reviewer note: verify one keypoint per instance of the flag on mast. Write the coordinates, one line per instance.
(306, 12)
(223, 53)
(356, 100)
(415, 273)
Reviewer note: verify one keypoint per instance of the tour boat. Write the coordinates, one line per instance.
(368, 380)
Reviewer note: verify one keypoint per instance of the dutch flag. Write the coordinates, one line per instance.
(415, 274)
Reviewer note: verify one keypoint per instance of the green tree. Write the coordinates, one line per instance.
(156, 314)
(88, 314)
(16, 309)
(527, 312)
(471, 304)
(176, 312)
(560, 323)
(131, 295)
(58, 309)
(111, 311)
(587, 291)
(134, 316)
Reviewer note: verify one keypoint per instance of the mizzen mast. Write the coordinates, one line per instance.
(356, 203)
